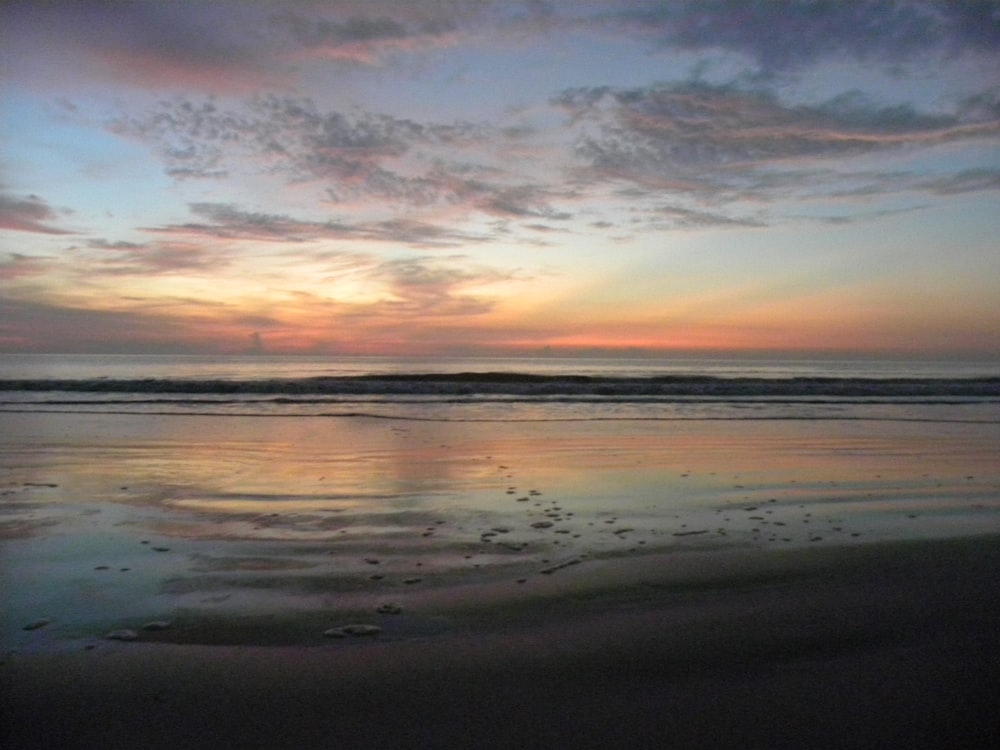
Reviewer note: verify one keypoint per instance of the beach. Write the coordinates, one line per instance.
(536, 580)
(862, 658)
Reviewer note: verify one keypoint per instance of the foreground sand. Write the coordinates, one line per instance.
(595, 583)
(879, 645)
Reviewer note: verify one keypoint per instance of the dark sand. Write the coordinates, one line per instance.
(871, 646)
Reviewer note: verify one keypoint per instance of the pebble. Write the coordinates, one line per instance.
(157, 625)
(389, 609)
(541, 524)
(352, 630)
(122, 635)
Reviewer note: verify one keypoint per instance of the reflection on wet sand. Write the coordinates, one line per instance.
(207, 516)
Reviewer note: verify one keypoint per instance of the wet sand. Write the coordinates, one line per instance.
(532, 585)
(887, 645)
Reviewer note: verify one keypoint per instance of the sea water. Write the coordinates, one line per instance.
(505, 388)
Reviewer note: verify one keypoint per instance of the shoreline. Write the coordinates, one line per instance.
(852, 647)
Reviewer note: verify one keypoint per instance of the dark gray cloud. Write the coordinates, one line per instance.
(791, 34)
(321, 31)
(29, 214)
(32, 324)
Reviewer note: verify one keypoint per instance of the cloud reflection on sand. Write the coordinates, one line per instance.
(117, 517)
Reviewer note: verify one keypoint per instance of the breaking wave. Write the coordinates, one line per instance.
(529, 386)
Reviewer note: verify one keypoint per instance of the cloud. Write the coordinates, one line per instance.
(367, 39)
(153, 258)
(288, 135)
(357, 155)
(231, 46)
(124, 325)
(714, 144)
(219, 47)
(230, 222)
(967, 181)
(435, 286)
(30, 214)
(726, 142)
(678, 217)
(17, 266)
(792, 34)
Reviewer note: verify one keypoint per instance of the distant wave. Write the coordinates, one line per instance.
(530, 386)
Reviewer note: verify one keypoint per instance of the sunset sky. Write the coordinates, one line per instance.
(473, 177)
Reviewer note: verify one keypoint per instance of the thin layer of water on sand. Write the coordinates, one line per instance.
(113, 522)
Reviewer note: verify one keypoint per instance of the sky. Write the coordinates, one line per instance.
(450, 177)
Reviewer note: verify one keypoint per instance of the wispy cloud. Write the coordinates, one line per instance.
(725, 141)
(230, 222)
(153, 258)
(966, 181)
(18, 265)
(354, 154)
(29, 214)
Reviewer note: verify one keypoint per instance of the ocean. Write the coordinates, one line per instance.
(539, 388)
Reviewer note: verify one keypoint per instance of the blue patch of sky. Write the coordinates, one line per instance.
(73, 164)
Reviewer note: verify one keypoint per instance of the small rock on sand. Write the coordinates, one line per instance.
(157, 625)
(389, 609)
(345, 631)
(541, 524)
(41, 623)
(124, 634)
